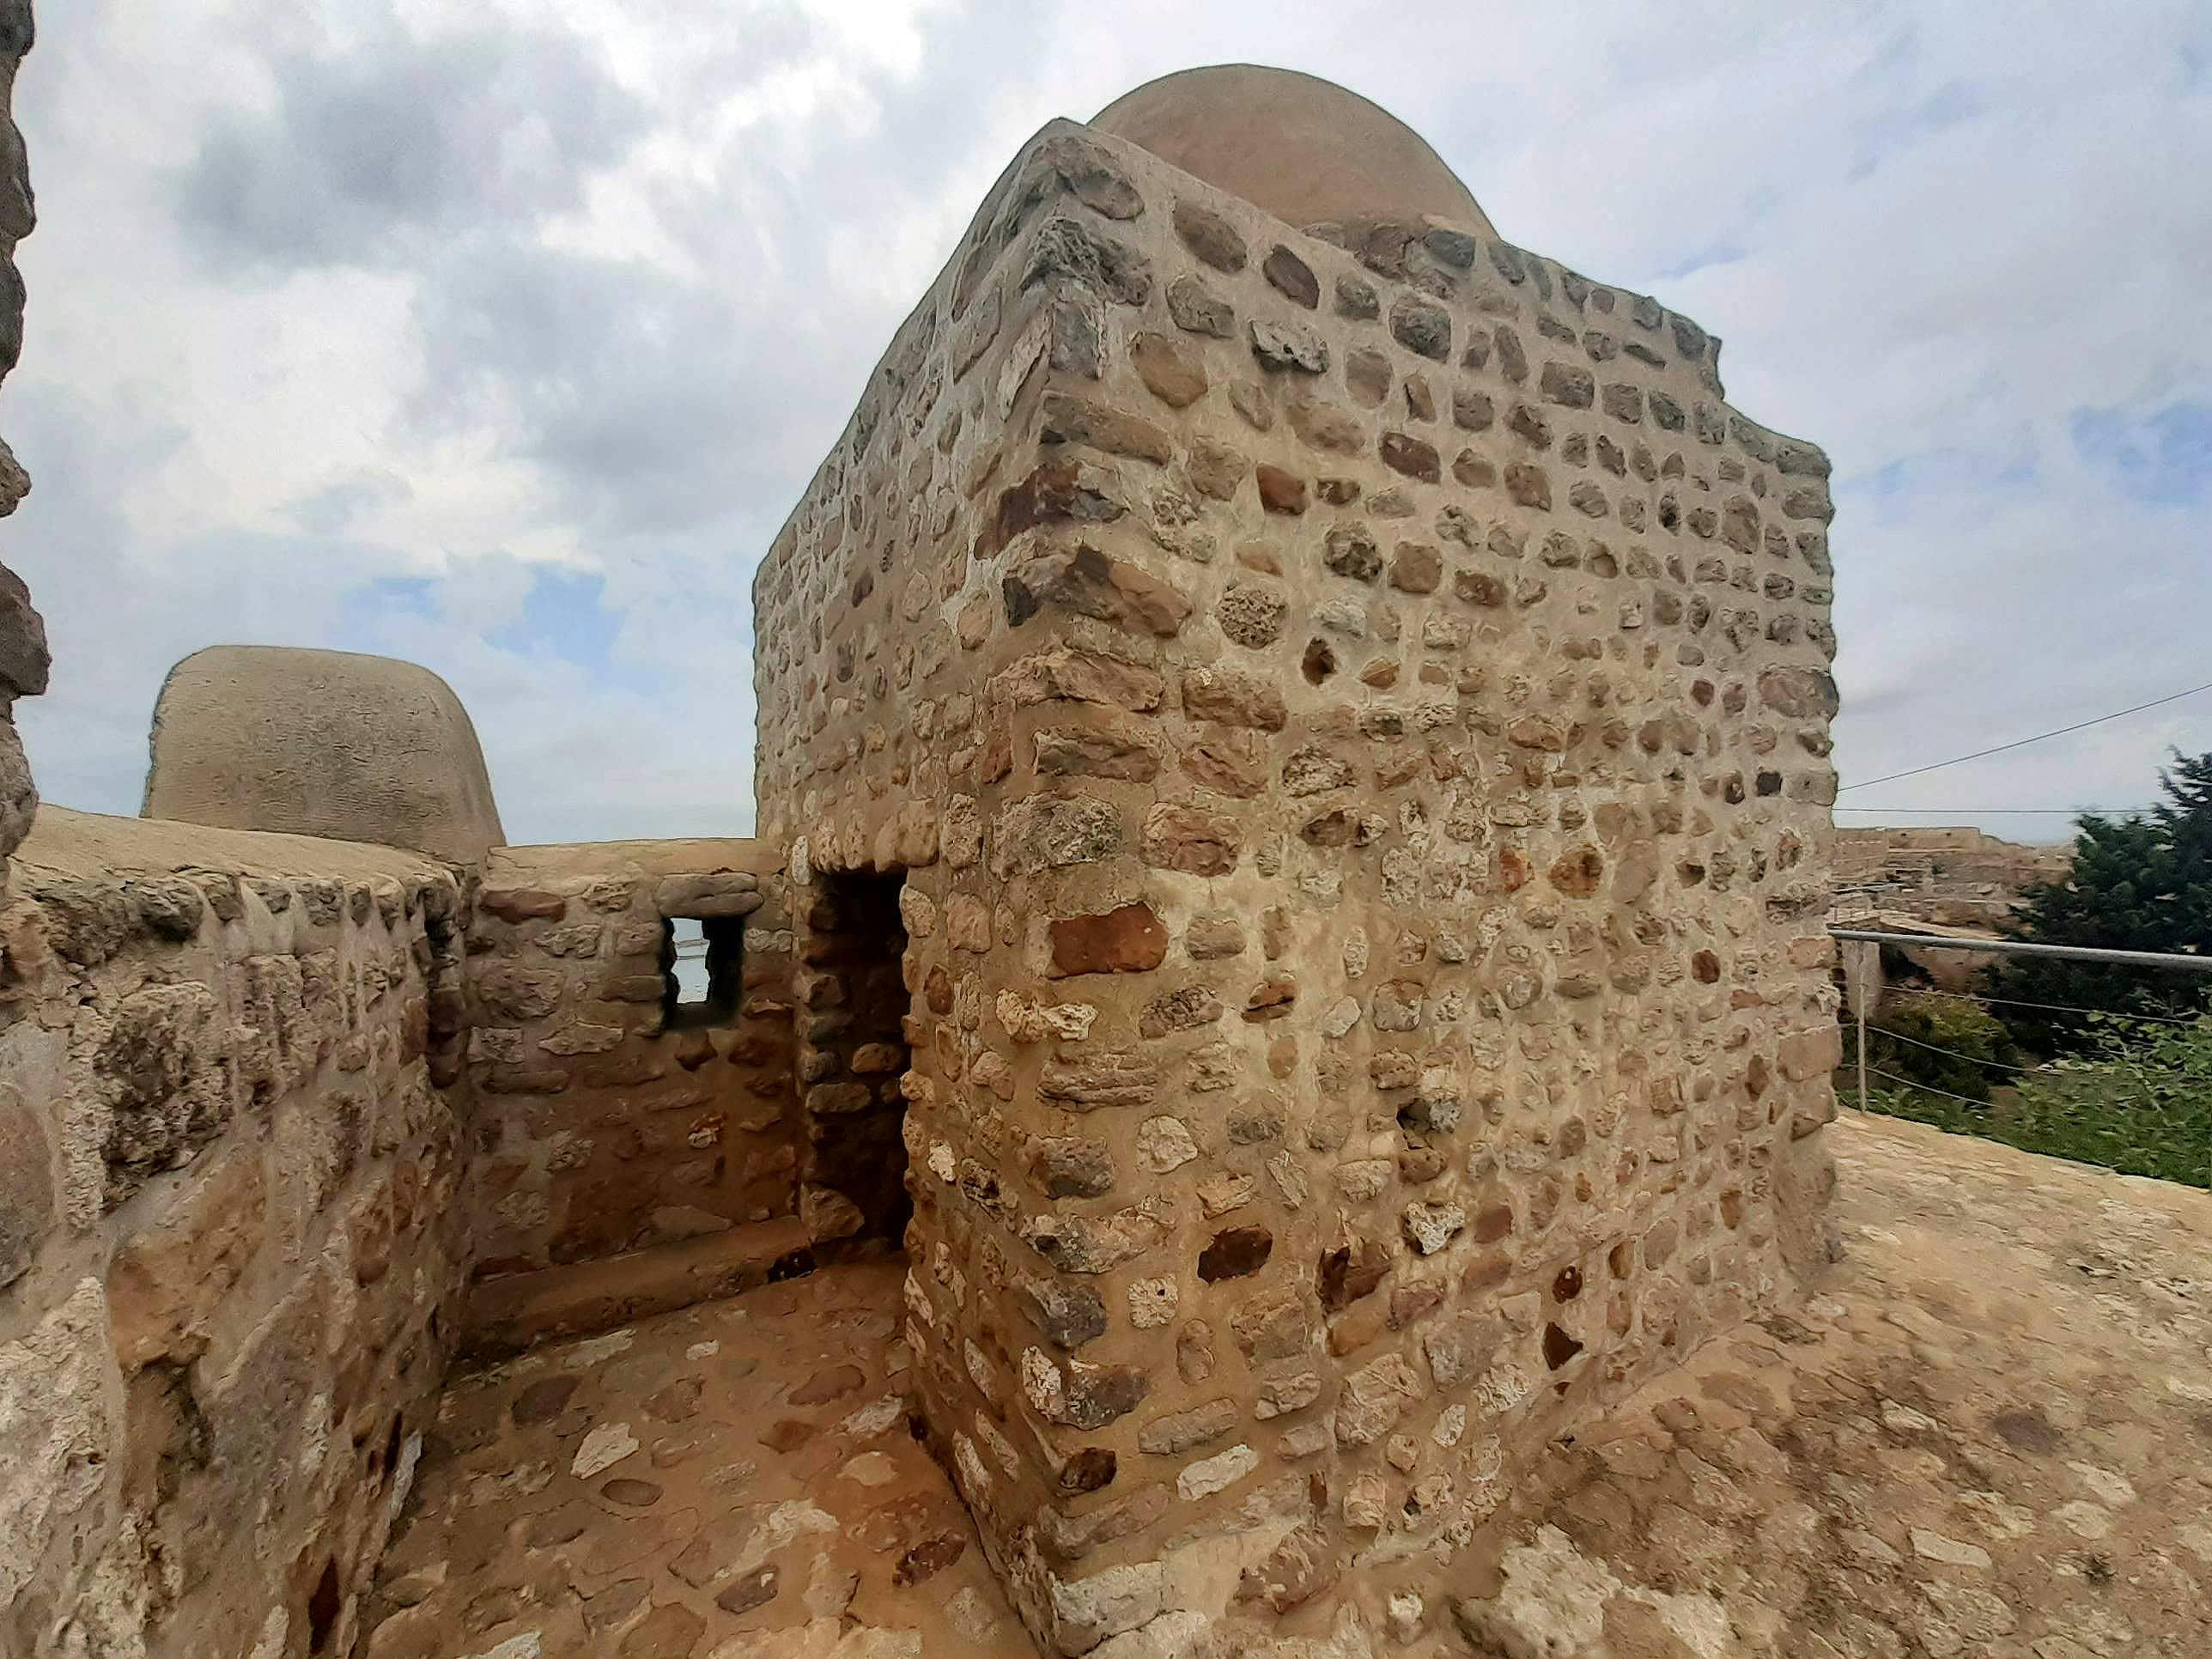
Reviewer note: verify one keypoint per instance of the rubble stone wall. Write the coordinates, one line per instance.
(231, 1244)
(1353, 723)
(23, 658)
(604, 1124)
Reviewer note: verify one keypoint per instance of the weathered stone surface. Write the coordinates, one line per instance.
(320, 743)
(1233, 699)
(1081, 1244)
(1069, 1316)
(725, 895)
(164, 1283)
(1088, 752)
(1072, 1167)
(1072, 420)
(1097, 1080)
(1176, 378)
(1043, 832)
(1421, 326)
(166, 1087)
(1290, 275)
(1165, 1144)
(61, 1420)
(1287, 345)
(1176, 1432)
(1088, 1610)
(1127, 939)
(1190, 839)
(1087, 583)
(1375, 1397)
(1281, 491)
(28, 1201)
(1197, 309)
(1213, 238)
(1065, 248)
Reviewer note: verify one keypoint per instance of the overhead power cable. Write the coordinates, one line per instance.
(2021, 743)
(1985, 811)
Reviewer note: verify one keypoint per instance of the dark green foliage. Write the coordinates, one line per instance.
(2141, 884)
(2139, 1100)
(1904, 1039)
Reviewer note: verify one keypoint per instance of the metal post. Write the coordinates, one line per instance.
(1860, 994)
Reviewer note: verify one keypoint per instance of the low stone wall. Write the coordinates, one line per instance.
(609, 1120)
(231, 1249)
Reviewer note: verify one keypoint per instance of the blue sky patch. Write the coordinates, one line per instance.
(367, 611)
(565, 616)
(2163, 458)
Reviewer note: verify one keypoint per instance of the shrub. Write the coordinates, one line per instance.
(2139, 1100)
(1904, 1039)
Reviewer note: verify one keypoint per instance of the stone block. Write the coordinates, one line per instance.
(164, 1283)
(160, 1068)
(61, 1423)
(29, 1205)
(730, 894)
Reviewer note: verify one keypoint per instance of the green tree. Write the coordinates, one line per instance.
(2137, 884)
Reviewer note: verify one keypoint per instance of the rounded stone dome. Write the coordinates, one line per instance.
(1304, 148)
(321, 743)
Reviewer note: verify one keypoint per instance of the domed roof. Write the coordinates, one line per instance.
(1304, 148)
(320, 743)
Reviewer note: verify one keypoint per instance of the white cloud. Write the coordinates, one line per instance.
(466, 294)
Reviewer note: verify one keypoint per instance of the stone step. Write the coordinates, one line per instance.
(520, 1311)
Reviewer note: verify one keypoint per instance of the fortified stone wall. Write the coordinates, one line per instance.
(1353, 725)
(612, 1118)
(232, 1250)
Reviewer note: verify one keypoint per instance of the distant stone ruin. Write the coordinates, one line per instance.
(1294, 849)
(1956, 878)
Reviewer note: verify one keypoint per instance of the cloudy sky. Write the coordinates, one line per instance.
(501, 334)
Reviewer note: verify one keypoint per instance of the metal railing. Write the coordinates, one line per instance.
(1871, 941)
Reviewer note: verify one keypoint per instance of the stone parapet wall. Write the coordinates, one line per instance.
(232, 1243)
(1353, 724)
(604, 1125)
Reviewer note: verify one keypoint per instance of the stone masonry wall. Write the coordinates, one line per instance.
(231, 1249)
(604, 1126)
(1352, 721)
(23, 658)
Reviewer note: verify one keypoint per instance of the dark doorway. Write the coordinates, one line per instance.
(854, 1053)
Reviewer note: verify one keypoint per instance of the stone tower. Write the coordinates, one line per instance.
(1301, 732)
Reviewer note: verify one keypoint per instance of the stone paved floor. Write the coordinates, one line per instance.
(736, 1479)
(1988, 1434)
